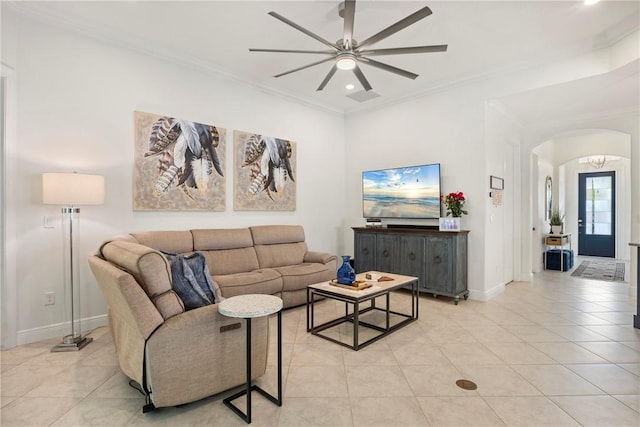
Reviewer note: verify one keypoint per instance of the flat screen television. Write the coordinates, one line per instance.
(407, 192)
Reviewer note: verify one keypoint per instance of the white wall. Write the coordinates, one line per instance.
(8, 291)
(445, 128)
(501, 243)
(76, 98)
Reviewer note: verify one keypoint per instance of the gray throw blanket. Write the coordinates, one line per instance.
(191, 280)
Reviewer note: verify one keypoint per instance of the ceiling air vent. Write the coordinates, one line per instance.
(363, 95)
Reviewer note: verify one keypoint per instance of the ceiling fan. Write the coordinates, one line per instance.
(347, 52)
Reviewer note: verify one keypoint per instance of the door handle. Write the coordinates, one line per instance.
(580, 224)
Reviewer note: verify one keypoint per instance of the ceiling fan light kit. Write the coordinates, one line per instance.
(346, 53)
(346, 61)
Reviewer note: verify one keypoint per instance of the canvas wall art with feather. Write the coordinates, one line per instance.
(179, 164)
(264, 173)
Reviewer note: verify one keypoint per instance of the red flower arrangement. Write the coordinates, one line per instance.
(454, 203)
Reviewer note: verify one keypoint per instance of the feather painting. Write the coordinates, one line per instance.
(179, 164)
(264, 171)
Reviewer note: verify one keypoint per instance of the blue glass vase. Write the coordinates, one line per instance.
(346, 273)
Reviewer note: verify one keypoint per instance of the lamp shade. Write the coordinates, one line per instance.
(72, 189)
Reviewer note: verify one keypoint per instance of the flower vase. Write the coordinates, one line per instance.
(346, 273)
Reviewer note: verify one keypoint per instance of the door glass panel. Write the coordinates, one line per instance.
(598, 206)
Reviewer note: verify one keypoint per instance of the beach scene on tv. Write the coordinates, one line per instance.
(410, 192)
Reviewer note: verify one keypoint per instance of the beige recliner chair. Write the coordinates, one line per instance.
(176, 356)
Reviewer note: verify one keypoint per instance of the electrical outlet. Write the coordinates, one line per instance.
(49, 298)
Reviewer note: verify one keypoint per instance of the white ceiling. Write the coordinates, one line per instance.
(484, 38)
(610, 93)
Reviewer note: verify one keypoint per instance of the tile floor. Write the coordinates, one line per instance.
(558, 351)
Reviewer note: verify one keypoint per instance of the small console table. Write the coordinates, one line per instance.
(248, 307)
(555, 241)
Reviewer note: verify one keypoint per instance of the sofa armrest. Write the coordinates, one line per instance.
(320, 257)
(125, 298)
(201, 352)
(132, 315)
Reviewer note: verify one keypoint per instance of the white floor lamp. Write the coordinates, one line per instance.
(71, 190)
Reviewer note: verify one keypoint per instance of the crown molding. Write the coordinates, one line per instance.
(110, 36)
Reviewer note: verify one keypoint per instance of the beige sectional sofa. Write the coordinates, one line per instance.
(180, 356)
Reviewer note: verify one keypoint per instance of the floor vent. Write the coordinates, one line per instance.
(466, 384)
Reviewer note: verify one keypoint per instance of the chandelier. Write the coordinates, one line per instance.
(597, 161)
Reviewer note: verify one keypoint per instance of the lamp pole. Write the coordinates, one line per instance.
(75, 340)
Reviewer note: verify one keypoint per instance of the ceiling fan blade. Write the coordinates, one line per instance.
(401, 24)
(332, 71)
(389, 68)
(304, 30)
(404, 50)
(322, 52)
(331, 58)
(363, 80)
(349, 16)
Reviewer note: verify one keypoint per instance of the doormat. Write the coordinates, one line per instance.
(610, 271)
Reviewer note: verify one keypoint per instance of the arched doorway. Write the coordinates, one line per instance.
(563, 157)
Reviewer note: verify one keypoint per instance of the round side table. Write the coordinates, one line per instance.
(248, 307)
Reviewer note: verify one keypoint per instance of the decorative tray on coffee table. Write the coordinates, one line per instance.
(357, 285)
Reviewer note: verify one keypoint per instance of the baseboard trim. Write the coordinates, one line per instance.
(486, 295)
(58, 330)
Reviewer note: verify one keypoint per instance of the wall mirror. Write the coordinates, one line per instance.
(548, 194)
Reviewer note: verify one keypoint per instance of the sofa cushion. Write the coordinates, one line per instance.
(265, 281)
(167, 241)
(274, 234)
(191, 280)
(279, 245)
(295, 277)
(280, 255)
(226, 251)
(231, 261)
(150, 269)
(216, 239)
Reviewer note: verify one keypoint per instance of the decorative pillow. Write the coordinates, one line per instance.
(200, 270)
(191, 280)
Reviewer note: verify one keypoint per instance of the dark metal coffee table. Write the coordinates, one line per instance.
(356, 298)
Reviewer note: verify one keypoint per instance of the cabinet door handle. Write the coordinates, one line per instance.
(385, 253)
(412, 256)
(437, 259)
(365, 251)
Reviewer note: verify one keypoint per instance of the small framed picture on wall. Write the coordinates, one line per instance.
(496, 183)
